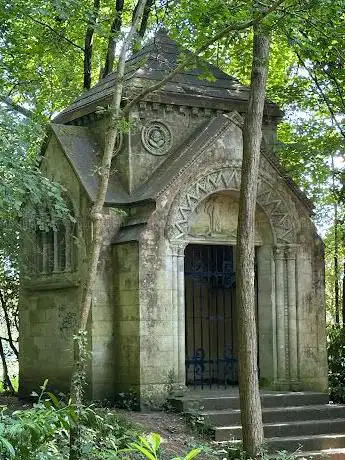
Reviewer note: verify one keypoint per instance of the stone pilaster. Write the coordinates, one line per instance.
(181, 316)
(178, 305)
(290, 253)
(174, 304)
(279, 256)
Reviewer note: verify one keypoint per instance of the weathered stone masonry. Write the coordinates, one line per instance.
(176, 182)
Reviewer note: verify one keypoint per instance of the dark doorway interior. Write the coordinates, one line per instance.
(210, 315)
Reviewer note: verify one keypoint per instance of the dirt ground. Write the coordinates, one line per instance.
(178, 437)
(13, 403)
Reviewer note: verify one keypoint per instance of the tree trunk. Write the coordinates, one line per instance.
(336, 250)
(5, 378)
(113, 38)
(145, 18)
(336, 266)
(8, 324)
(343, 289)
(88, 45)
(251, 416)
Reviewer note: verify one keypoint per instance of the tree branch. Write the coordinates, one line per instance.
(114, 31)
(321, 92)
(58, 34)
(187, 59)
(17, 108)
(88, 45)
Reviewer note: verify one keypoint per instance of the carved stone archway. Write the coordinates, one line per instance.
(273, 203)
(279, 267)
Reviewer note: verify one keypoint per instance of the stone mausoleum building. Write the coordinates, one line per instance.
(165, 304)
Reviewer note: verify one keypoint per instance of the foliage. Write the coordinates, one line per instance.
(43, 431)
(336, 363)
(149, 447)
(26, 197)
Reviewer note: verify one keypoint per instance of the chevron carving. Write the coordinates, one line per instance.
(229, 178)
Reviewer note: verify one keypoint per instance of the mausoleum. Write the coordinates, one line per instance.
(165, 302)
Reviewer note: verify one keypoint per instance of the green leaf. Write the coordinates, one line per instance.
(193, 454)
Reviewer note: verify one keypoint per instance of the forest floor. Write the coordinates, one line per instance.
(178, 436)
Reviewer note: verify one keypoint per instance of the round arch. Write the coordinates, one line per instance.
(271, 200)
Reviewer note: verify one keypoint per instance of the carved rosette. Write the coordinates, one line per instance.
(273, 202)
(156, 137)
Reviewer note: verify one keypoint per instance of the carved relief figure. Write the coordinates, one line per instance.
(217, 217)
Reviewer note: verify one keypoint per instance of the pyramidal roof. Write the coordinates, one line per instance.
(152, 63)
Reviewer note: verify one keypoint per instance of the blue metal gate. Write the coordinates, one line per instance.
(210, 315)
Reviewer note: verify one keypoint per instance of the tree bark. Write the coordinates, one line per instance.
(113, 38)
(8, 325)
(96, 217)
(336, 249)
(343, 283)
(251, 416)
(336, 266)
(145, 18)
(5, 378)
(88, 45)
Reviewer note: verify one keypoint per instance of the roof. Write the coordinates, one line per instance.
(84, 152)
(152, 63)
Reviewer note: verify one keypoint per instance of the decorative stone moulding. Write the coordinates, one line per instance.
(156, 137)
(273, 202)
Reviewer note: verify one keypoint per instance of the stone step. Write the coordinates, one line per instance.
(214, 401)
(290, 429)
(276, 414)
(310, 443)
(307, 443)
(331, 454)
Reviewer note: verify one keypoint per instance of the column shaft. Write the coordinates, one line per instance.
(291, 278)
(280, 313)
(175, 311)
(181, 317)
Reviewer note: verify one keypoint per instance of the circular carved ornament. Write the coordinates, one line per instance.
(156, 138)
(118, 143)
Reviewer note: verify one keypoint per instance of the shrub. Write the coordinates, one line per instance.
(336, 363)
(43, 432)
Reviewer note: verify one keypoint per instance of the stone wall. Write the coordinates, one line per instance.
(126, 317)
(47, 313)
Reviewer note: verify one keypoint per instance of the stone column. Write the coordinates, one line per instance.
(181, 317)
(292, 312)
(280, 313)
(178, 310)
(174, 306)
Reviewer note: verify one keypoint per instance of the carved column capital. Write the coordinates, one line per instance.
(291, 252)
(279, 252)
(177, 248)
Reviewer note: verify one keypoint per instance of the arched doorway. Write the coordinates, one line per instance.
(206, 213)
(210, 298)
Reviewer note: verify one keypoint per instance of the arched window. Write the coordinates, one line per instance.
(56, 247)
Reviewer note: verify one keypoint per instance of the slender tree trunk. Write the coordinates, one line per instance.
(343, 299)
(336, 266)
(145, 18)
(113, 38)
(251, 416)
(5, 378)
(8, 325)
(336, 251)
(88, 45)
(96, 217)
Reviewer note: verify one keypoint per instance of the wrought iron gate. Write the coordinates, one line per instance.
(210, 315)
